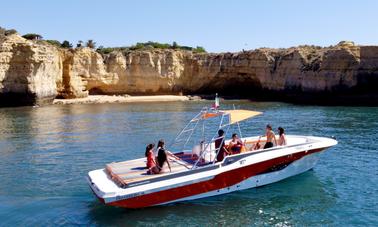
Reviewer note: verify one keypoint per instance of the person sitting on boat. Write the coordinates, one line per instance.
(151, 163)
(257, 145)
(282, 138)
(235, 144)
(270, 136)
(220, 146)
(162, 159)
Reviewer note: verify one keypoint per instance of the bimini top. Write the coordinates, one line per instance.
(240, 115)
(234, 115)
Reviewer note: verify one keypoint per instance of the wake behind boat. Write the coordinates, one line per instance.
(196, 172)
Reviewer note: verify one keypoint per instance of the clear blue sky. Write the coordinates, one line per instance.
(217, 25)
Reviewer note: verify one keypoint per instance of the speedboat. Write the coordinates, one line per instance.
(195, 171)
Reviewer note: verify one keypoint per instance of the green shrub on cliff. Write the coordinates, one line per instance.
(6, 32)
(10, 32)
(150, 45)
(108, 50)
(157, 45)
(64, 44)
(53, 42)
(105, 50)
(199, 49)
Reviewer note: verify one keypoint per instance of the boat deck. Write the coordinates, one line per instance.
(128, 172)
(124, 173)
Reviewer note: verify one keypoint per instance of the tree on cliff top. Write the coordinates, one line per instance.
(90, 43)
(66, 44)
(175, 45)
(79, 43)
(32, 36)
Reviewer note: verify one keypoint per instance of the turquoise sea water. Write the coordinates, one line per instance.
(46, 152)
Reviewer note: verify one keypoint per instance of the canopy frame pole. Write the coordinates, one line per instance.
(194, 121)
(213, 140)
(207, 145)
(190, 135)
(240, 133)
(203, 136)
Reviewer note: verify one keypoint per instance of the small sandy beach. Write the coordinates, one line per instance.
(97, 99)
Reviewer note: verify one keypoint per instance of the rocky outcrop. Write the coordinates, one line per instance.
(342, 74)
(86, 71)
(29, 72)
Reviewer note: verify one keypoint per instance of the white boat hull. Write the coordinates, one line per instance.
(236, 172)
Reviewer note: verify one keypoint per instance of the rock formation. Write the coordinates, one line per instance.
(29, 71)
(35, 72)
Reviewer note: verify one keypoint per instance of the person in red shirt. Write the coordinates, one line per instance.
(151, 163)
(235, 144)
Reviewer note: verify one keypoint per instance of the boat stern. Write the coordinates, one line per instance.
(101, 185)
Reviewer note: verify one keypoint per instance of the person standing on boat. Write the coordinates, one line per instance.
(220, 147)
(270, 136)
(162, 158)
(282, 138)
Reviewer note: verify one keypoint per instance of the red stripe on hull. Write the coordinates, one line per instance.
(222, 180)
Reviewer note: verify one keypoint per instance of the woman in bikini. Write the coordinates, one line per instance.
(282, 138)
(161, 159)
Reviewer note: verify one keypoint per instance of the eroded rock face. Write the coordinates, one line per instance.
(39, 72)
(29, 71)
(303, 69)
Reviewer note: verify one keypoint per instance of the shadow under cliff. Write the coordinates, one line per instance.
(365, 93)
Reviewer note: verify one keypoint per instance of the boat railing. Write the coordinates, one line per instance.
(207, 147)
(223, 124)
(186, 133)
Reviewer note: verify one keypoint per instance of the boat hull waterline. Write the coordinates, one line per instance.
(234, 173)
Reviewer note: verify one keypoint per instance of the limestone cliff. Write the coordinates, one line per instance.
(141, 72)
(40, 72)
(29, 71)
